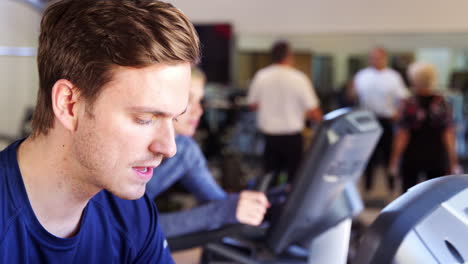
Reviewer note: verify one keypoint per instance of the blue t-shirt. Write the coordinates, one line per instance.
(112, 230)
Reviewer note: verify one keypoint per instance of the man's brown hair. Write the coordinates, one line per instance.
(82, 40)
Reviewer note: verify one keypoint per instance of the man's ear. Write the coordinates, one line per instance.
(65, 97)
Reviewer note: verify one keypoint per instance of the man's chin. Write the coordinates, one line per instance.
(130, 195)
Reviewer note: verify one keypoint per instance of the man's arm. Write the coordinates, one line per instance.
(197, 178)
(200, 182)
(253, 107)
(399, 145)
(308, 97)
(252, 94)
(249, 207)
(401, 93)
(209, 216)
(448, 137)
(314, 114)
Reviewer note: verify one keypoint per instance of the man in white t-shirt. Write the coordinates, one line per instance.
(380, 90)
(284, 97)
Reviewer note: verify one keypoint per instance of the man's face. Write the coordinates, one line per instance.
(378, 59)
(188, 122)
(129, 128)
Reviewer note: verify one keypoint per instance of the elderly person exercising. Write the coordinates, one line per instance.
(424, 141)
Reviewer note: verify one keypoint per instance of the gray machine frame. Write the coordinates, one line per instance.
(314, 224)
(428, 224)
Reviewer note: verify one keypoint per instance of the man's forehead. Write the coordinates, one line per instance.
(157, 73)
(162, 68)
(162, 89)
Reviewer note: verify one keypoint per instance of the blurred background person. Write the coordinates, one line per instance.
(189, 168)
(424, 139)
(380, 90)
(283, 98)
(347, 96)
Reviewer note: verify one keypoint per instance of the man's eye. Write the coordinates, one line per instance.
(175, 119)
(144, 121)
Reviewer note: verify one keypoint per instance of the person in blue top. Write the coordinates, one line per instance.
(189, 167)
(113, 77)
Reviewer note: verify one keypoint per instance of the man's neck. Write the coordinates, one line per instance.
(379, 68)
(283, 64)
(52, 184)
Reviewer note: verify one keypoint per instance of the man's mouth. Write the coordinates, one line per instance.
(144, 172)
(142, 169)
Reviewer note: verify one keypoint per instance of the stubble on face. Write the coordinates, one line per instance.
(109, 143)
(88, 152)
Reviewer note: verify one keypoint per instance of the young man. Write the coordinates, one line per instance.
(189, 168)
(114, 74)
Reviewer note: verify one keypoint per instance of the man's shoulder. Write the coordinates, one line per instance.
(392, 73)
(9, 185)
(7, 157)
(288, 73)
(12, 207)
(286, 69)
(265, 71)
(296, 73)
(10, 214)
(4, 164)
(364, 72)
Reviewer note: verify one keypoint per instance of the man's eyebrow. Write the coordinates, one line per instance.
(150, 110)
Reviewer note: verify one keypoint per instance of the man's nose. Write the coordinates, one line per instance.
(164, 140)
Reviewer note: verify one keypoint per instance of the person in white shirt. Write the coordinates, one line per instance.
(284, 97)
(380, 90)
